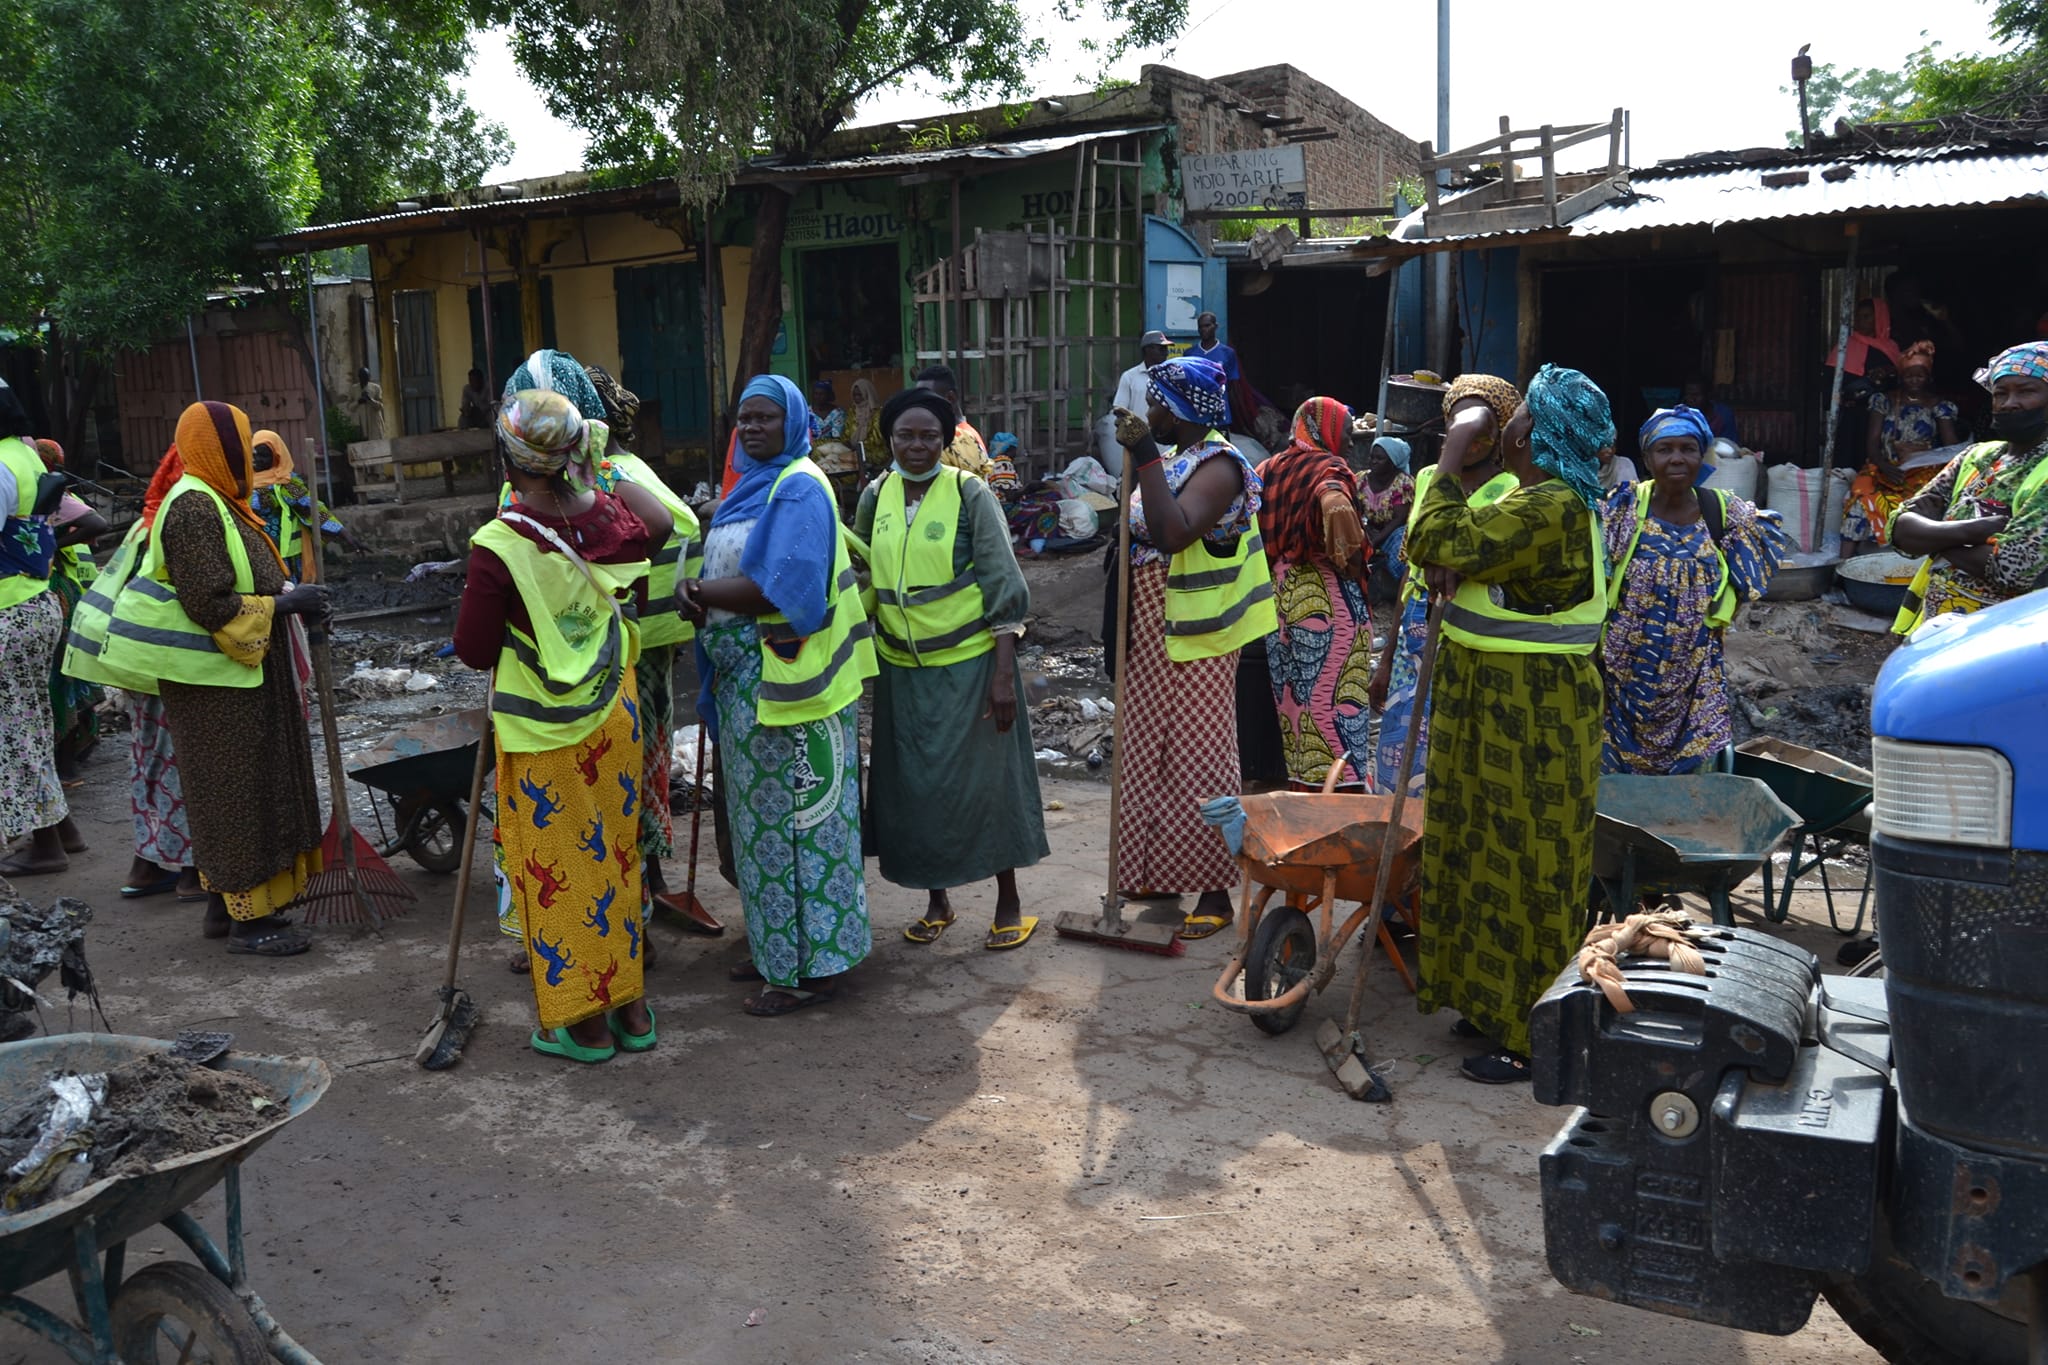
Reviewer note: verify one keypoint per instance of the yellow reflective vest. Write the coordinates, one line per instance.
(27, 467)
(150, 636)
(662, 623)
(810, 677)
(1974, 462)
(1218, 603)
(1475, 621)
(1487, 494)
(926, 616)
(85, 645)
(1723, 609)
(556, 686)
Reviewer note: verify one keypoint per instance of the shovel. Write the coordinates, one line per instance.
(1342, 1048)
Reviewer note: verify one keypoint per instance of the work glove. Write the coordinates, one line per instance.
(1134, 434)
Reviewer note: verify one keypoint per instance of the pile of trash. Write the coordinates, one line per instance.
(1073, 729)
(124, 1122)
(34, 943)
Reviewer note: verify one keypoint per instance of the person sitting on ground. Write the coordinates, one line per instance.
(949, 734)
(828, 419)
(1984, 518)
(1684, 557)
(549, 580)
(477, 405)
(966, 450)
(1902, 425)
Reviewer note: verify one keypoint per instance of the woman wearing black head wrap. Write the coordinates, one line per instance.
(952, 785)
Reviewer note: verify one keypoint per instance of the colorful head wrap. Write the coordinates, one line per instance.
(541, 432)
(1919, 356)
(1191, 388)
(1678, 421)
(1395, 449)
(1495, 392)
(280, 464)
(1320, 424)
(1572, 422)
(52, 453)
(557, 372)
(2029, 360)
(213, 441)
(931, 402)
(621, 404)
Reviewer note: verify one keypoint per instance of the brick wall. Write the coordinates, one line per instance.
(1353, 170)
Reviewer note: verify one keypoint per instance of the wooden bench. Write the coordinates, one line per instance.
(390, 458)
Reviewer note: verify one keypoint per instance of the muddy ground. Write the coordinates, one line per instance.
(1066, 1152)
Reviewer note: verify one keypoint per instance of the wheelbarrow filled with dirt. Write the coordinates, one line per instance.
(160, 1133)
(1313, 849)
(1699, 832)
(423, 773)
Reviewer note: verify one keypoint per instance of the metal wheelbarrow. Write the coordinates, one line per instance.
(168, 1310)
(423, 772)
(1316, 849)
(1698, 832)
(1832, 798)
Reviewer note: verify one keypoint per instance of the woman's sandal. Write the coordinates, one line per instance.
(1202, 926)
(1002, 937)
(273, 940)
(1496, 1068)
(633, 1042)
(162, 886)
(780, 1000)
(1465, 1028)
(927, 930)
(557, 1043)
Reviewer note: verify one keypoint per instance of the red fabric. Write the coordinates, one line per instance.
(605, 533)
(732, 466)
(1291, 518)
(169, 470)
(1179, 749)
(1860, 346)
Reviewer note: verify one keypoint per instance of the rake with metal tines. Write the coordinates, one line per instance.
(355, 886)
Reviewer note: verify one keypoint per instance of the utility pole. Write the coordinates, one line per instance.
(1440, 263)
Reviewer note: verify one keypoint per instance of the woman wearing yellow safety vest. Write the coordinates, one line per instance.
(783, 646)
(203, 618)
(1200, 589)
(285, 502)
(31, 630)
(554, 580)
(1984, 518)
(1684, 557)
(950, 743)
(1514, 757)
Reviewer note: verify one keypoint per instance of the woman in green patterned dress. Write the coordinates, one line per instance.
(1514, 755)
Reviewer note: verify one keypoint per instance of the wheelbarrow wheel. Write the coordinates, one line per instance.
(175, 1311)
(437, 838)
(1283, 951)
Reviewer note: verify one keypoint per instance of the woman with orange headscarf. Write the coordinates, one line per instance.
(210, 573)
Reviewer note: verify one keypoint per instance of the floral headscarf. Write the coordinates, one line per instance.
(541, 432)
(1190, 388)
(1572, 422)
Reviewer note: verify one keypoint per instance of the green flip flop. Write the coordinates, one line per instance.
(634, 1042)
(558, 1043)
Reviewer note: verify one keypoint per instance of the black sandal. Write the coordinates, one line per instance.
(273, 940)
(780, 1000)
(1465, 1028)
(1496, 1068)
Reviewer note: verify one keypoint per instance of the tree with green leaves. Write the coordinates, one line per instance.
(2007, 85)
(147, 145)
(1857, 95)
(695, 88)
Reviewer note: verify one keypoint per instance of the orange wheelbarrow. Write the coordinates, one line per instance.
(1314, 849)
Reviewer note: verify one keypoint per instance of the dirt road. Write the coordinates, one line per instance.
(1054, 1154)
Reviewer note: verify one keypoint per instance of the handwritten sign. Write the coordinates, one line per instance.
(1260, 178)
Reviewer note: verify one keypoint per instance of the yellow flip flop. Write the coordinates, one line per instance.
(1201, 926)
(1011, 936)
(928, 930)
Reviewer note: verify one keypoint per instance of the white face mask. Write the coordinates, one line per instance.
(909, 477)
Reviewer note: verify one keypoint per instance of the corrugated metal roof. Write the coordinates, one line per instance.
(1664, 198)
(515, 207)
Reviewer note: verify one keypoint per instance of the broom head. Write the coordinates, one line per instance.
(449, 1033)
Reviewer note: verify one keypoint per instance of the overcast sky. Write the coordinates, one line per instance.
(1693, 78)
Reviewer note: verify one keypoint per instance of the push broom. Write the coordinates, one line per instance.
(1110, 928)
(355, 886)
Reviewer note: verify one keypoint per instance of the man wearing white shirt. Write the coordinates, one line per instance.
(1130, 389)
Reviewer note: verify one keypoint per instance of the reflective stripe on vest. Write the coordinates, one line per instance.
(1722, 610)
(26, 466)
(825, 674)
(554, 689)
(1971, 466)
(1474, 621)
(150, 635)
(85, 643)
(942, 619)
(1218, 603)
(662, 623)
(1486, 495)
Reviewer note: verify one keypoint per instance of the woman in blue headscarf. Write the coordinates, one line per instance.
(1514, 753)
(791, 792)
(1179, 741)
(1684, 557)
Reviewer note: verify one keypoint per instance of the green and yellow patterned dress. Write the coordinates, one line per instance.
(1514, 765)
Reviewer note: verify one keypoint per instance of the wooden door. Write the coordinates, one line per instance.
(661, 350)
(419, 377)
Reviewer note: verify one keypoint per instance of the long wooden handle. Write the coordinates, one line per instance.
(1123, 673)
(323, 682)
(476, 802)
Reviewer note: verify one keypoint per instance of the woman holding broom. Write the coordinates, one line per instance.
(204, 614)
(549, 580)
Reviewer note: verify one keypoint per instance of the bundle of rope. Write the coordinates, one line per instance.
(1653, 933)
